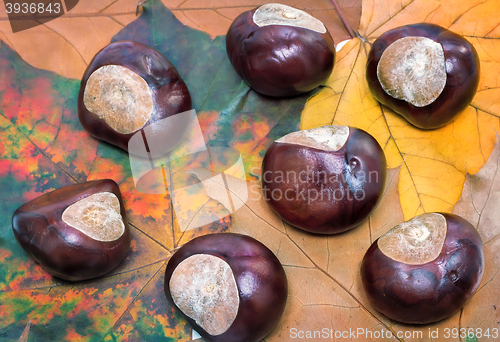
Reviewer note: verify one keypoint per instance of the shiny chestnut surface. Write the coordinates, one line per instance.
(429, 292)
(279, 60)
(462, 75)
(325, 192)
(170, 94)
(260, 278)
(61, 249)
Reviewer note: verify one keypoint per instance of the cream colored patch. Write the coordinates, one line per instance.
(413, 69)
(97, 216)
(120, 97)
(417, 241)
(278, 14)
(203, 288)
(327, 138)
(340, 45)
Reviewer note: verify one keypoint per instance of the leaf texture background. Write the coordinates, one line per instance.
(43, 147)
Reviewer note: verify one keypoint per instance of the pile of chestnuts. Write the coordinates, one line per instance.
(325, 180)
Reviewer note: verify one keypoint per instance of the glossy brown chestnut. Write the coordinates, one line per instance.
(229, 287)
(279, 50)
(126, 87)
(425, 269)
(324, 180)
(76, 232)
(434, 82)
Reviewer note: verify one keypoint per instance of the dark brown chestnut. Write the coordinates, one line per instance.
(423, 72)
(126, 87)
(77, 232)
(324, 180)
(229, 287)
(425, 269)
(279, 50)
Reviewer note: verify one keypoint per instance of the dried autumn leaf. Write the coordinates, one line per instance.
(48, 150)
(44, 148)
(26, 332)
(71, 41)
(215, 18)
(61, 47)
(479, 204)
(434, 163)
(325, 289)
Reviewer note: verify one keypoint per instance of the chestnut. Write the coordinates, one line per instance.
(76, 232)
(126, 87)
(424, 72)
(425, 269)
(229, 287)
(279, 50)
(324, 180)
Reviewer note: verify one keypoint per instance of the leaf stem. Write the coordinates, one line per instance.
(344, 21)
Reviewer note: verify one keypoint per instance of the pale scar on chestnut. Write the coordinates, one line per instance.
(97, 216)
(278, 14)
(326, 138)
(417, 241)
(120, 97)
(413, 69)
(203, 288)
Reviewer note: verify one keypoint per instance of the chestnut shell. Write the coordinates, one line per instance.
(170, 93)
(361, 157)
(462, 71)
(61, 249)
(426, 293)
(259, 313)
(256, 55)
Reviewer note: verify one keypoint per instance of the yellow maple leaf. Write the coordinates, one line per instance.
(434, 163)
